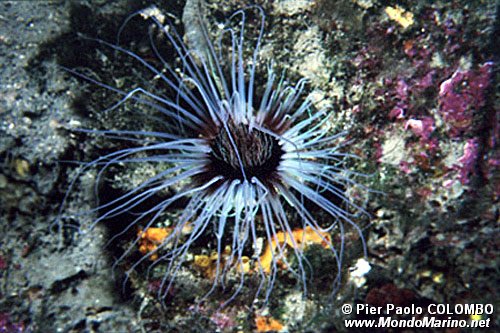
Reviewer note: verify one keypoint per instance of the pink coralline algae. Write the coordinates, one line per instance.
(223, 321)
(405, 167)
(422, 128)
(467, 161)
(7, 326)
(3, 263)
(400, 96)
(463, 94)
(426, 81)
(397, 113)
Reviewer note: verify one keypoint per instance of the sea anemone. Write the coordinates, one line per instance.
(250, 161)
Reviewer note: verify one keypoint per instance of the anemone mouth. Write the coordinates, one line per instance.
(241, 152)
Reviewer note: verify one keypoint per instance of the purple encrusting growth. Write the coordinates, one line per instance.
(8, 326)
(437, 96)
(3, 263)
(422, 128)
(463, 94)
(460, 98)
(433, 124)
(467, 161)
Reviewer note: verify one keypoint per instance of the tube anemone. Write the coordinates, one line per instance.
(249, 168)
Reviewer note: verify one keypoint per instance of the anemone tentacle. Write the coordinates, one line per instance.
(246, 165)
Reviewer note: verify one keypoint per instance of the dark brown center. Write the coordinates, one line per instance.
(249, 153)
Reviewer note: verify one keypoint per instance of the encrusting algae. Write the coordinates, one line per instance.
(207, 264)
(267, 324)
(404, 18)
(151, 238)
(301, 237)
